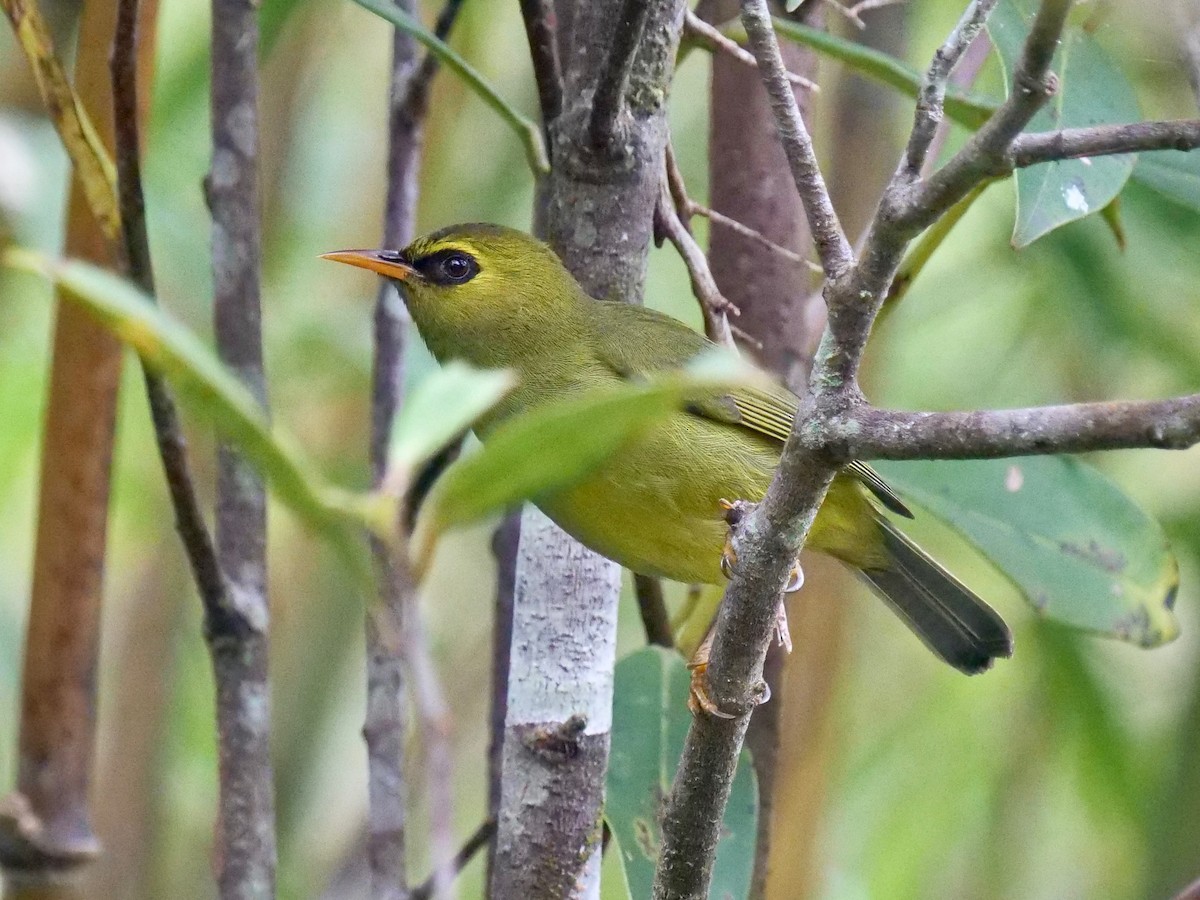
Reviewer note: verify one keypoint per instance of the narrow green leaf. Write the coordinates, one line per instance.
(1173, 173)
(650, 723)
(215, 394)
(559, 442)
(443, 406)
(968, 111)
(1092, 90)
(614, 884)
(526, 129)
(1079, 550)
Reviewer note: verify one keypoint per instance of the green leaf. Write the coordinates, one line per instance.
(559, 442)
(211, 391)
(443, 406)
(968, 111)
(1092, 90)
(526, 129)
(1173, 173)
(614, 884)
(650, 722)
(1078, 549)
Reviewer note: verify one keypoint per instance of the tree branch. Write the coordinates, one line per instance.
(768, 539)
(245, 844)
(607, 100)
(476, 842)
(543, 50)
(168, 431)
(869, 433)
(932, 96)
(653, 610)
(1032, 85)
(1101, 140)
(713, 39)
(832, 246)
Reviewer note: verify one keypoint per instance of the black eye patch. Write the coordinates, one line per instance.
(447, 267)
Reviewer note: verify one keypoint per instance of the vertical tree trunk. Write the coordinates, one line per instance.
(596, 208)
(245, 849)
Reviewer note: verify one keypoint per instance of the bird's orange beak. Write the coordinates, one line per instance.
(385, 262)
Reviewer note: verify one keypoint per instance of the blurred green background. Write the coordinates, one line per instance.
(1072, 770)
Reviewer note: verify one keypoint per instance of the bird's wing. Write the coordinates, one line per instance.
(636, 342)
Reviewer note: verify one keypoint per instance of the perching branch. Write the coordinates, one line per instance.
(832, 246)
(769, 538)
(608, 99)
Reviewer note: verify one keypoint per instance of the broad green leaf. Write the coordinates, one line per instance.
(1078, 549)
(1173, 173)
(559, 442)
(968, 111)
(526, 129)
(215, 394)
(443, 406)
(650, 722)
(1092, 90)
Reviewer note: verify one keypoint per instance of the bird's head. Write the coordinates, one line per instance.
(477, 292)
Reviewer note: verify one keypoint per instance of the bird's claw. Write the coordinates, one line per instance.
(699, 700)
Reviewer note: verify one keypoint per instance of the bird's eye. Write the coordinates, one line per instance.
(457, 268)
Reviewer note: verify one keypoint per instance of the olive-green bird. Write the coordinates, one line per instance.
(497, 298)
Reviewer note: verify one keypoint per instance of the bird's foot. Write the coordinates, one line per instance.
(699, 698)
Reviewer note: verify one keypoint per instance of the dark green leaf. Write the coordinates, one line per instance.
(1079, 550)
(1173, 173)
(650, 722)
(1091, 91)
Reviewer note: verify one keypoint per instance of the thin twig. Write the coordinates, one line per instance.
(653, 609)
(245, 843)
(504, 550)
(385, 727)
(478, 839)
(716, 309)
(854, 13)
(830, 240)
(168, 431)
(718, 218)
(932, 96)
(713, 39)
(608, 99)
(1032, 85)
(538, 16)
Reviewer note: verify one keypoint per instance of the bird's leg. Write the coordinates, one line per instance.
(698, 697)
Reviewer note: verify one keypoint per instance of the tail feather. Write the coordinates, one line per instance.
(951, 620)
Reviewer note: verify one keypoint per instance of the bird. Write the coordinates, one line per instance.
(496, 297)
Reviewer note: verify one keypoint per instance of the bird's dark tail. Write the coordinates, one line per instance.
(952, 621)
